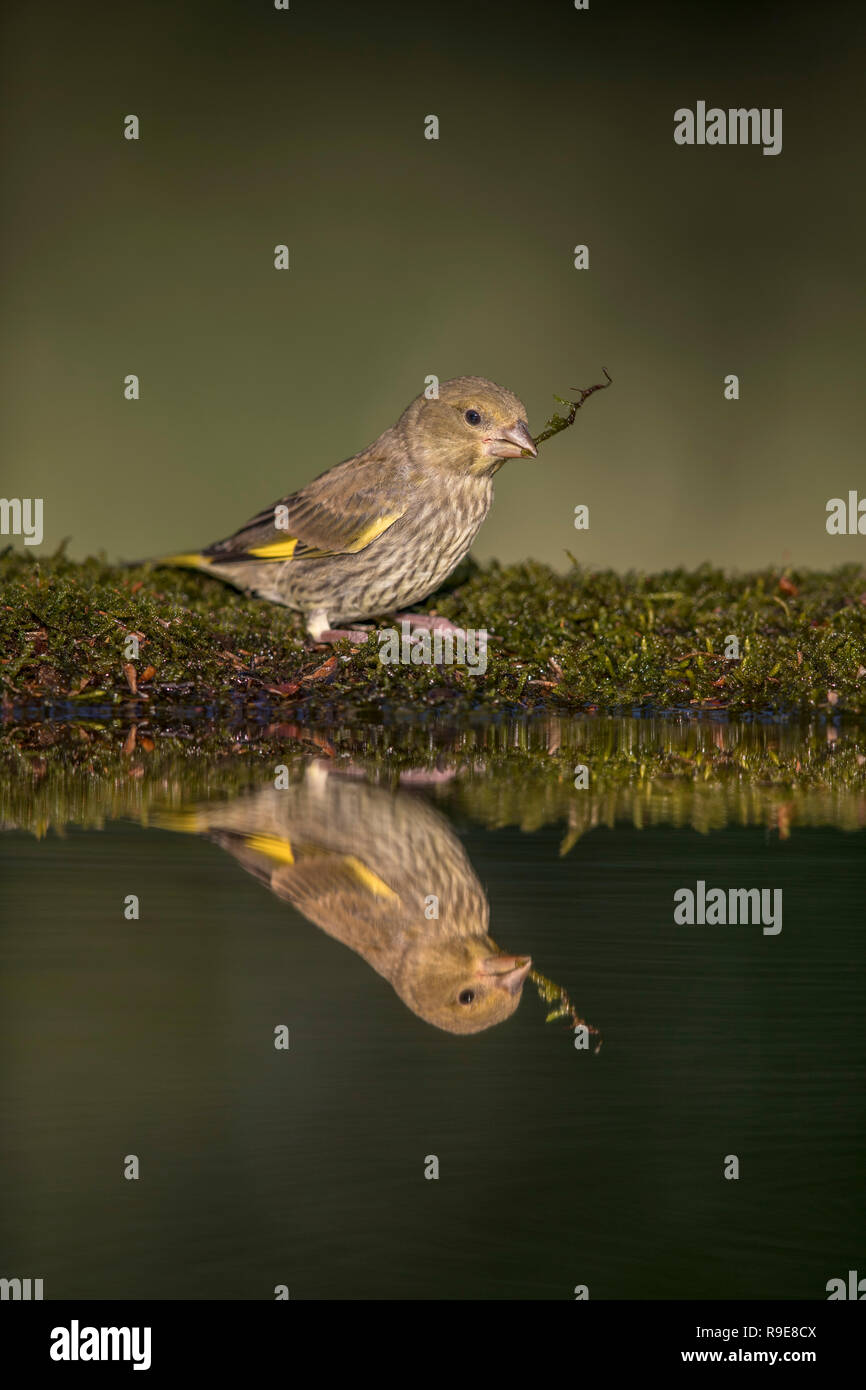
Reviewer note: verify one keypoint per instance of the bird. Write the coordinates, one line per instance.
(383, 873)
(383, 529)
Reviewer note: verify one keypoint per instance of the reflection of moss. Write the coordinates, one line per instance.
(703, 773)
(566, 642)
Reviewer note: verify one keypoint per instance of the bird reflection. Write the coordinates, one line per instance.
(382, 872)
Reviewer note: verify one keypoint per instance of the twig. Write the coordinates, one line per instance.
(556, 423)
(552, 993)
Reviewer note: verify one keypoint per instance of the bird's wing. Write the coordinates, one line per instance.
(339, 513)
(303, 874)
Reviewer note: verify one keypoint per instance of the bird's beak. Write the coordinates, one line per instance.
(510, 443)
(507, 972)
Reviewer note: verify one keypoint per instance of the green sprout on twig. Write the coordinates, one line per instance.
(552, 993)
(556, 423)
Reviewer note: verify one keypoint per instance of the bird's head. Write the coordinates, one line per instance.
(462, 985)
(471, 428)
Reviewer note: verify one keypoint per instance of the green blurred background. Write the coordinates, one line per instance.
(411, 257)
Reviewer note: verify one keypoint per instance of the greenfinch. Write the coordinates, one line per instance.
(384, 874)
(383, 529)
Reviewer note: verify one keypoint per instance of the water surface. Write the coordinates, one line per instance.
(558, 1165)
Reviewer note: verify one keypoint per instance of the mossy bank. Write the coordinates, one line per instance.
(559, 642)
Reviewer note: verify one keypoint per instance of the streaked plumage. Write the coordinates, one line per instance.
(383, 529)
(365, 865)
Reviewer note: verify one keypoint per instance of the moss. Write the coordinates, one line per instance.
(700, 772)
(563, 642)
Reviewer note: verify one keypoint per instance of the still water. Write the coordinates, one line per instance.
(382, 904)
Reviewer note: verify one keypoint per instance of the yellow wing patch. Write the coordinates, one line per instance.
(284, 550)
(271, 846)
(366, 876)
(277, 550)
(375, 529)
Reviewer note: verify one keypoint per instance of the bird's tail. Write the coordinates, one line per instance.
(193, 560)
(185, 822)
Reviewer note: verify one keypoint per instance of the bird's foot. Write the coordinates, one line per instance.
(418, 622)
(426, 777)
(430, 622)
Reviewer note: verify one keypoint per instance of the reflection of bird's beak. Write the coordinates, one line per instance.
(507, 972)
(510, 443)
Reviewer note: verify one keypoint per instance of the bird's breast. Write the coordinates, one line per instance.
(441, 533)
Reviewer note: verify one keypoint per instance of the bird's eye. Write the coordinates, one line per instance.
(466, 996)
(473, 417)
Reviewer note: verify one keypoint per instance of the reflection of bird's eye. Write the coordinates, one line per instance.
(474, 419)
(466, 996)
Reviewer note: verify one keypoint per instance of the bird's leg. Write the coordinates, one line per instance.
(321, 631)
(317, 623)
